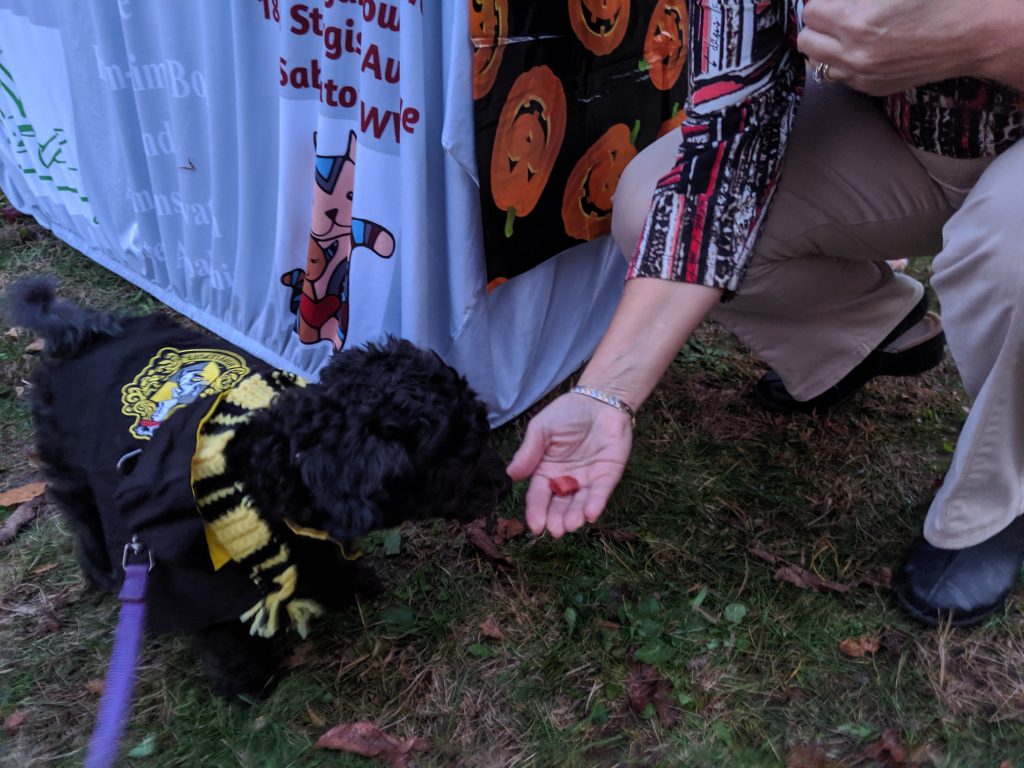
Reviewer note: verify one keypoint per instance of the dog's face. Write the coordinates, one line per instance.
(391, 433)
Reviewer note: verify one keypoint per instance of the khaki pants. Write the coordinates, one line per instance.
(818, 296)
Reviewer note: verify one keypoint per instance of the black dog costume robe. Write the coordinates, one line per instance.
(162, 401)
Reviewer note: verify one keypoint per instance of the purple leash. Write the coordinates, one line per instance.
(116, 701)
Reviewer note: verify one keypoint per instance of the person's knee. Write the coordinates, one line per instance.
(981, 242)
(632, 199)
(629, 207)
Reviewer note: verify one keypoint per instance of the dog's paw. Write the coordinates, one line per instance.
(242, 686)
(247, 692)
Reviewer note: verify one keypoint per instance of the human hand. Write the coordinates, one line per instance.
(579, 437)
(887, 46)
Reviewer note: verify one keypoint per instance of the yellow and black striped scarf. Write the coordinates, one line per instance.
(235, 528)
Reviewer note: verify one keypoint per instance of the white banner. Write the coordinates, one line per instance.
(297, 177)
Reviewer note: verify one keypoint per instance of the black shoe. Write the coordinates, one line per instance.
(771, 393)
(961, 586)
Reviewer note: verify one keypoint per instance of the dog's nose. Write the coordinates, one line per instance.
(331, 214)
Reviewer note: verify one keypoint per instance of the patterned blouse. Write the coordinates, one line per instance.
(746, 80)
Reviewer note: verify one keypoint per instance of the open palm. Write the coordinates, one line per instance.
(574, 436)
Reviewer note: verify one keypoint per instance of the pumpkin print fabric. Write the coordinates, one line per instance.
(665, 44)
(488, 21)
(587, 200)
(529, 136)
(599, 24)
(565, 95)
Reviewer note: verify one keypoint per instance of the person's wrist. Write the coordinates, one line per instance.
(608, 398)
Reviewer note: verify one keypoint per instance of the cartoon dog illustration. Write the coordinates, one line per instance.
(320, 293)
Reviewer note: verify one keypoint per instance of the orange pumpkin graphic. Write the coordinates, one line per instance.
(488, 28)
(665, 43)
(587, 202)
(599, 24)
(527, 141)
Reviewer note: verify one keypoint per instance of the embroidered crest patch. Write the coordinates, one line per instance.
(174, 378)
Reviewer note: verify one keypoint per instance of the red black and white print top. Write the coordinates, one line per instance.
(746, 78)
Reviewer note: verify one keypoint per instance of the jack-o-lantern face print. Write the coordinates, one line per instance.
(527, 141)
(488, 28)
(599, 24)
(665, 44)
(587, 201)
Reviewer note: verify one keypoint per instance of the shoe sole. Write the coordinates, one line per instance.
(913, 361)
(935, 619)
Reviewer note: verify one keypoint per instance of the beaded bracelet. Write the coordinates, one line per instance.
(613, 400)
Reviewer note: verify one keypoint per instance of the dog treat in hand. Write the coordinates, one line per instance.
(564, 485)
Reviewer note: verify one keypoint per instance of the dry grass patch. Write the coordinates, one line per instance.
(979, 675)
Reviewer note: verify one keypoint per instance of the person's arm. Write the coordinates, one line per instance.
(745, 79)
(887, 46)
(587, 439)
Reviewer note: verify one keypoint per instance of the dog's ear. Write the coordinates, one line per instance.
(264, 454)
(354, 492)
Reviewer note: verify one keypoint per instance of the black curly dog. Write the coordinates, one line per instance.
(278, 476)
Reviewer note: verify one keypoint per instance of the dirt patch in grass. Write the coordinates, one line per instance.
(977, 676)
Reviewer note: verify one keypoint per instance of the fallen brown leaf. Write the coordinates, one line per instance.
(646, 685)
(9, 213)
(798, 576)
(801, 577)
(95, 686)
(18, 518)
(46, 623)
(888, 750)
(366, 739)
(891, 641)
(301, 654)
(807, 756)
(490, 628)
(44, 568)
(36, 345)
(479, 538)
(877, 577)
(508, 528)
(21, 494)
(764, 554)
(13, 722)
(13, 333)
(858, 647)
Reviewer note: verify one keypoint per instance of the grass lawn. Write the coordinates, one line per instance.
(661, 637)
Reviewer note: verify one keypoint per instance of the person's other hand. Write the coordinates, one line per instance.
(887, 46)
(576, 436)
